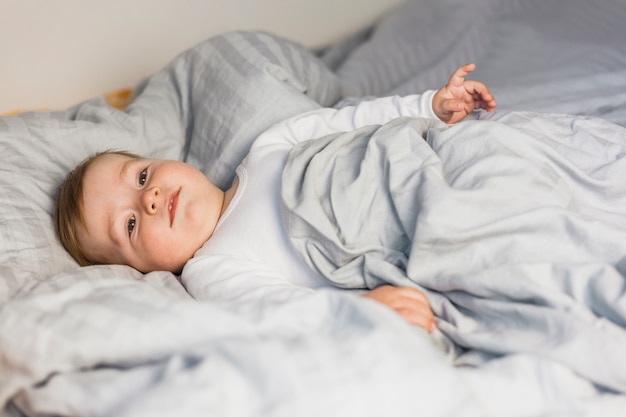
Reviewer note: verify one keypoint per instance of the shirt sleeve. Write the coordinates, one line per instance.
(318, 123)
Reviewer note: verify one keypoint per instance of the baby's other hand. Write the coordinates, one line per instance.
(409, 302)
(460, 97)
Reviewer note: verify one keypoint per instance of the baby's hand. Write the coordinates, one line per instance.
(410, 303)
(460, 97)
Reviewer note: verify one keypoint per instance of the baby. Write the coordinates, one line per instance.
(119, 208)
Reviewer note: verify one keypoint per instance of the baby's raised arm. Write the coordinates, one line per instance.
(460, 97)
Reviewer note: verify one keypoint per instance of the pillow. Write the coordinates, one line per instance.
(207, 105)
(422, 54)
(38, 150)
(233, 87)
(533, 55)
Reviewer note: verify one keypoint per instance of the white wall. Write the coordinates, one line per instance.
(55, 53)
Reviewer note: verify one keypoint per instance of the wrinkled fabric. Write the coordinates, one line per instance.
(514, 225)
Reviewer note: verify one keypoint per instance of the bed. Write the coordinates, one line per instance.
(107, 340)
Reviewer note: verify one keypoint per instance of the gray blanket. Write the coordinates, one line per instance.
(532, 332)
(515, 226)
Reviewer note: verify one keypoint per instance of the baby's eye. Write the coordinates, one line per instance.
(143, 175)
(131, 224)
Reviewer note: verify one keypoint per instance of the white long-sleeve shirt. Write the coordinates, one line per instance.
(249, 255)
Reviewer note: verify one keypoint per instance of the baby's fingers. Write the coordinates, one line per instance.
(409, 302)
(458, 76)
(421, 317)
(413, 305)
(483, 99)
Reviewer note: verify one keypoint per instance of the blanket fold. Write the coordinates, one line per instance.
(515, 226)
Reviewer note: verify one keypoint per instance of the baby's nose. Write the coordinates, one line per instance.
(150, 199)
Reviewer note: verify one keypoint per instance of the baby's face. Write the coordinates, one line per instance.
(149, 214)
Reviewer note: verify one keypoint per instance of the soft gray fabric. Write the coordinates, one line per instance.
(109, 346)
(513, 224)
(207, 105)
(109, 341)
(37, 151)
(119, 344)
(535, 55)
(229, 89)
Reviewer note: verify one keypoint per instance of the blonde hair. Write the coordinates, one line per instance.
(68, 208)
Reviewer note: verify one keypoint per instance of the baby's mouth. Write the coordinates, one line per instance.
(171, 207)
